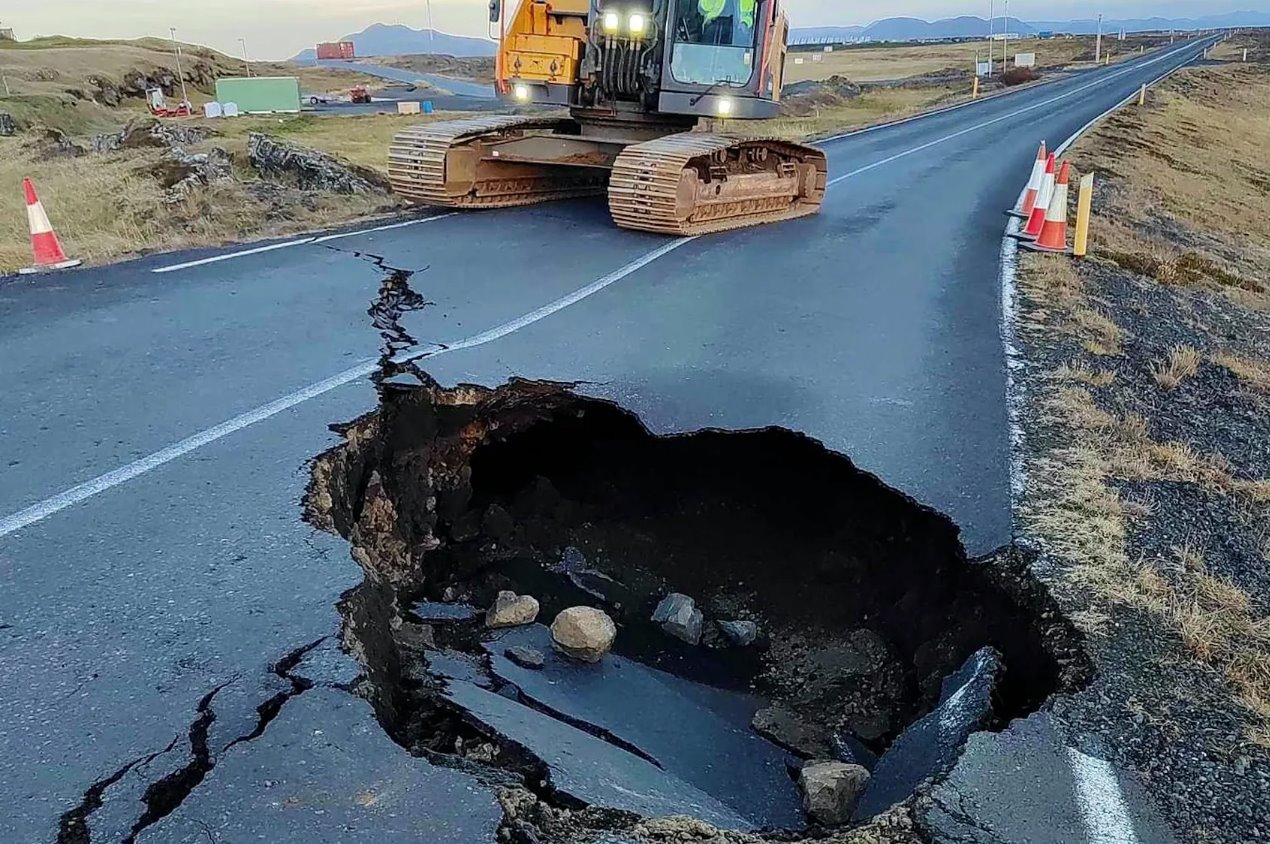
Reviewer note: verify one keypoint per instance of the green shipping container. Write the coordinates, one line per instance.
(260, 94)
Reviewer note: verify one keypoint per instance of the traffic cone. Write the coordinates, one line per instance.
(1054, 232)
(1033, 186)
(48, 252)
(1036, 221)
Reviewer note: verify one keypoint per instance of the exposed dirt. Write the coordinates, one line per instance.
(454, 494)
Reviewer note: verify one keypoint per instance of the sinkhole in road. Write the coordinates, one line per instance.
(879, 643)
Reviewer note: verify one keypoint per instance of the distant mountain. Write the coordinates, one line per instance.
(915, 29)
(909, 29)
(1085, 27)
(383, 39)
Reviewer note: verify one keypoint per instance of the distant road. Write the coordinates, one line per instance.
(458, 87)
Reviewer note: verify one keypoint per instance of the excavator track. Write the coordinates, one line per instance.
(695, 183)
(445, 164)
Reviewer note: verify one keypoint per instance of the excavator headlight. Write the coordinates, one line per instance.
(723, 106)
(636, 24)
(521, 92)
(612, 22)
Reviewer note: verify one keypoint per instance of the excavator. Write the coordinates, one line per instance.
(642, 81)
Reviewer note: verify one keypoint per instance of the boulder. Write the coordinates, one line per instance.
(831, 789)
(525, 656)
(583, 633)
(788, 729)
(183, 172)
(148, 132)
(308, 168)
(678, 615)
(7, 125)
(512, 610)
(742, 633)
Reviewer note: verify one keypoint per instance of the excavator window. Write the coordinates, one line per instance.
(714, 41)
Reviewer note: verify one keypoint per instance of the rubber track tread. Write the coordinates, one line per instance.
(645, 180)
(416, 166)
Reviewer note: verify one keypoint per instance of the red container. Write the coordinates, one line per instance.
(336, 50)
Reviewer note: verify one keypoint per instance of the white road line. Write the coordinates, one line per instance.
(101, 483)
(993, 122)
(1101, 802)
(212, 260)
(76, 494)
(384, 228)
(1014, 362)
(300, 242)
(558, 305)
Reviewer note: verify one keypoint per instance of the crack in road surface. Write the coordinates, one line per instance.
(272, 707)
(73, 826)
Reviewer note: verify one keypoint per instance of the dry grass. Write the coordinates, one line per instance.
(1195, 154)
(1101, 335)
(1073, 504)
(51, 66)
(876, 106)
(109, 206)
(1081, 374)
(361, 139)
(872, 64)
(1254, 373)
(1182, 363)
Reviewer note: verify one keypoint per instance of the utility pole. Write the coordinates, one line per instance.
(992, 30)
(246, 61)
(1098, 44)
(1005, 44)
(432, 33)
(185, 97)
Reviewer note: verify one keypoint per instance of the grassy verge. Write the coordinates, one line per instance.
(874, 106)
(1149, 406)
(873, 63)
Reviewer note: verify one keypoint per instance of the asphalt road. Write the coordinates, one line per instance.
(167, 592)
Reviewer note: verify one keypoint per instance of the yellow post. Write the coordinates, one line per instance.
(974, 92)
(1084, 209)
(1142, 95)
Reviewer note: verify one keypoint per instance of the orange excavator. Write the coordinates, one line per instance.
(637, 77)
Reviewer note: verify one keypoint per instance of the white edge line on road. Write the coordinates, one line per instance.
(76, 494)
(1009, 306)
(1099, 797)
(1103, 810)
(212, 260)
(298, 242)
(1004, 117)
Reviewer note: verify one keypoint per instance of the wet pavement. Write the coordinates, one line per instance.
(140, 628)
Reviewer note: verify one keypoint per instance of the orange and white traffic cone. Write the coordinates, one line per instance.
(1033, 186)
(1036, 221)
(48, 252)
(1054, 233)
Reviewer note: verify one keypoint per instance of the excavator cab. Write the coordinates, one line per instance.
(636, 76)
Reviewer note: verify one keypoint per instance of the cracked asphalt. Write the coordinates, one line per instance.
(152, 635)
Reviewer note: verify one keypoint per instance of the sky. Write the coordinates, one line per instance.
(277, 29)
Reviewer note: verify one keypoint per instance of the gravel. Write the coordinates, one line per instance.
(1173, 721)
